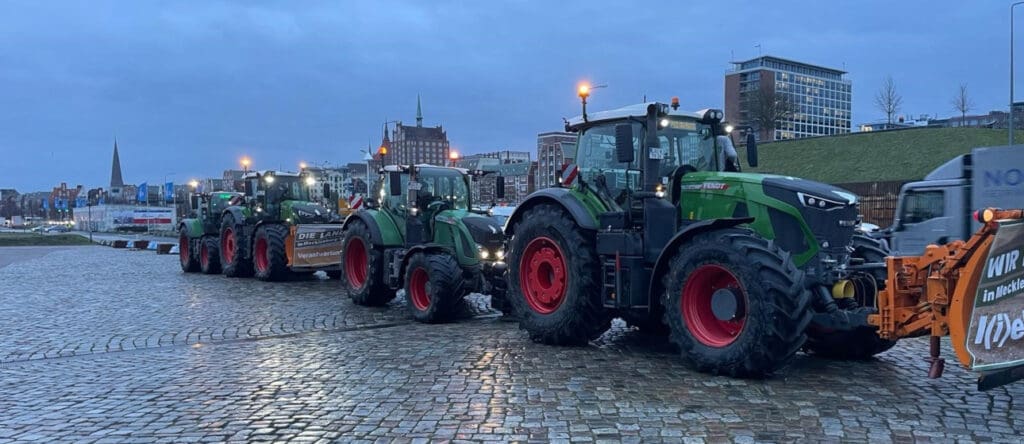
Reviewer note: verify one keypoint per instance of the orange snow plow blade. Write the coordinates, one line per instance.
(972, 291)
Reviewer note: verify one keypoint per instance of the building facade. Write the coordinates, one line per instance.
(411, 145)
(821, 97)
(554, 149)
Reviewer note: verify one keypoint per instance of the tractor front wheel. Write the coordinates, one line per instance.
(268, 256)
(209, 255)
(189, 264)
(234, 248)
(362, 276)
(433, 287)
(555, 279)
(735, 304)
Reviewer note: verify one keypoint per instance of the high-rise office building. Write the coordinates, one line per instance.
(820, 97)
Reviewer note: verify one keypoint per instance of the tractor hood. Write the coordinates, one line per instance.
(301, 212)
(830, 212)
(485, 230)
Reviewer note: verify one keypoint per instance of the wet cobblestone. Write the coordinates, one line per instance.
(367, 375)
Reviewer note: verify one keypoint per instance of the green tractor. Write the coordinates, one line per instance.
(198, 246)
(278, 231)
(428, 241)
(657, 225)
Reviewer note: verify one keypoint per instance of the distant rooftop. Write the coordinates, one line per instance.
(781, 64)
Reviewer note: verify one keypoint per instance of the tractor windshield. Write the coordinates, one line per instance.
(287, 188)
(220, 201)
(441, 184)
(685, 142)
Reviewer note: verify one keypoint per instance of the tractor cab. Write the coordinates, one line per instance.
(207, 207)
(284, 197)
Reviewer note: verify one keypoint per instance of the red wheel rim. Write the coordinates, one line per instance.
(204, 255)
(356, 262)
(697, 311)
(183, 253)
(227, 246)
(262, 255)
(418, 289)
(542, 275)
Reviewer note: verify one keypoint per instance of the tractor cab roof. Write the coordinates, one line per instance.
(421, 167)
(635, 111)
(261, 173)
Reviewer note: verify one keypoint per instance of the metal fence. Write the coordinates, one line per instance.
(878, 200)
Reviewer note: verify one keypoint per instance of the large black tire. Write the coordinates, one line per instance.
(209, 255)
(234, 248)
(362, 266)
(555, 279)
(759, 292)
(861, 343)
(186, 256)
(269, 258)
(433, 287)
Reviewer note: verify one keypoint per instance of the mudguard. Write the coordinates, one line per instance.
(235, 212)
(556, 196)
(194, 227)
(382, 230)
(684, 235)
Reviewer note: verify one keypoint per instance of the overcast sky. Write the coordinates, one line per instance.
(189, 87)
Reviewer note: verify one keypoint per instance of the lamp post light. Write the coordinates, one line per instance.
(1011, 124)
(245, 164)
(453, 156)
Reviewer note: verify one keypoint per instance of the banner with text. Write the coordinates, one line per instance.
(995, 338)
(316, 245)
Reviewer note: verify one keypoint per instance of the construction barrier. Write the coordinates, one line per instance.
(119, 244)
(140, 244)
(164, 248)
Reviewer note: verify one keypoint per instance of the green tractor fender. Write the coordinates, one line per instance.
(237, 212)
(585, 217)
(193, 226)
(383, 230)
(691, 230)
(424, 248)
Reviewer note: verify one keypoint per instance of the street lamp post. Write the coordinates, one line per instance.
(1011, 124)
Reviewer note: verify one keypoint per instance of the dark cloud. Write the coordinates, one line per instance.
(188, 87)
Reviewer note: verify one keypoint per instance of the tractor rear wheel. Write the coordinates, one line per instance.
(735, 304)
(234, 247)
(186, 256)
(861, 343)
(209, 255)
(555, 279)
(433, 287)
(362, 276)
(268, 255)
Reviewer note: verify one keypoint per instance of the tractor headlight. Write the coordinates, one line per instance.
(818, 202)
(269, 179)
(500, 254)
(414, 211)
(484, 254)
(310, 181)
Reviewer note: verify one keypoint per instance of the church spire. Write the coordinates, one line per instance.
(116, 181)
(419, 112)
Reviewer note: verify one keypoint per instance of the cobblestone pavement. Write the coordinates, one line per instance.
(238, 359)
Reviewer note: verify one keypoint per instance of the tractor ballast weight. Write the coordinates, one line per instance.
(422, 235)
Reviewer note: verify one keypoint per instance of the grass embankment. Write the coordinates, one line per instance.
(38, 240)
(907, 154)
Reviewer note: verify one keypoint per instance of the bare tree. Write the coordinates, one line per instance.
(962, 103)
(769, 107)
(888, 100)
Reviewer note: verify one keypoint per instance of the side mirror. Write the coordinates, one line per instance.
(395, 183)
(751, 150)
(624, 143)
(194, 201)
(248, 188)
(327, 191)
(499, 187)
